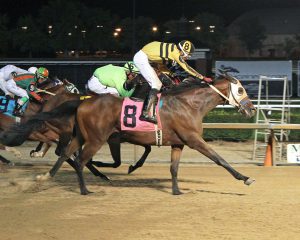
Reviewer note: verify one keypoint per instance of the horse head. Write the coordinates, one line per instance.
(237, 95)
(70, 87)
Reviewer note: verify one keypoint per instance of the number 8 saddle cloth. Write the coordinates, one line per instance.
(131, 111)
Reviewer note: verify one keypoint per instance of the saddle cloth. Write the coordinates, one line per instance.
(131, 111)
(7, 106)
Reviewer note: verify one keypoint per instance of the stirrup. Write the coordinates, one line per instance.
(18, 112)
(148, 118)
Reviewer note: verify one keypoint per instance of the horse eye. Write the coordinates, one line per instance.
(240, 90)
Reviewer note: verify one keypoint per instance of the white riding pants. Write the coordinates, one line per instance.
(95, 86)
(141, 60)
(12, 87)
(3, 84)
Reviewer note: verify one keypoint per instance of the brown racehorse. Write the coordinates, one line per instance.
(182, 111)
(44, 135)
(63, 130)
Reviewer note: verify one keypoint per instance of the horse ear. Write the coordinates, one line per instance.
(231, 78)
(65, 81)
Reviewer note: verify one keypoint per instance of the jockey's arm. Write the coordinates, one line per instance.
(187, 68)
(32, 92)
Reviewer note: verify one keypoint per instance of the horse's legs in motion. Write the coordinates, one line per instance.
(141, 161)
(4, 160)
(12, 150)
(37, 149)
(175, 158)
(38, 152)
(66, 153)
(88, 151)
(63, 141)
(115, 150)
(9, 149)
(194, 141)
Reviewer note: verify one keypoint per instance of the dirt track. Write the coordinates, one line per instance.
(140, 206)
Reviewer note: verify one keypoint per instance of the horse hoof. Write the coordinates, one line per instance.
(177, 192)
(249, 181)
(32, 153)
(11, 164)
(105, 178)
(86, 192)
(131, 169)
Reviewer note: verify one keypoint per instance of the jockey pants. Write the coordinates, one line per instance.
(141, 60)
(3, 84)
(12, 87)
(95, 86)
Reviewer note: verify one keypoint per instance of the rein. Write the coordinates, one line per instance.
(44, 91)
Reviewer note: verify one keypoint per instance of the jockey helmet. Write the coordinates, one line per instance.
(32, 70)
(131, 67)
(42, 73)
(186, 47)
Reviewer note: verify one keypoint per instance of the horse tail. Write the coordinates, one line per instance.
(19, 133)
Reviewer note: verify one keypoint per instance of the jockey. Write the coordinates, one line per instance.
(161, 53)
(23, 85)
(5, 76)
(113, 79)
(32, 70)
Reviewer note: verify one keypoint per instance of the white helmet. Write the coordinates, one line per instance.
(32, 70)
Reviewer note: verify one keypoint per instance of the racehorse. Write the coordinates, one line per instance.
(49, 90)
(65, 128)
(182, 111)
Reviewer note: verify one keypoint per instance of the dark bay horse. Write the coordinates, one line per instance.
(182, 111)
(47, 91)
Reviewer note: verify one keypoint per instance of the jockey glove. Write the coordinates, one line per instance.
(207, 79)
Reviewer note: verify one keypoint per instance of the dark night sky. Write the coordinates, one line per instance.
(160, 10)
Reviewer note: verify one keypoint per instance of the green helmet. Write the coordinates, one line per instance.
(129, 66)
(42, 73)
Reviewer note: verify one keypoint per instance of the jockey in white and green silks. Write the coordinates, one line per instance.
(113, 79)
(23, 85)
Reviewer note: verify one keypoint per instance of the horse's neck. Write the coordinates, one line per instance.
(209, 99)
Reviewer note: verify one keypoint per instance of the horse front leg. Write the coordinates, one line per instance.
(197, 143)
(39, 151)
(141, 161)
(88, 151)
(175, 158)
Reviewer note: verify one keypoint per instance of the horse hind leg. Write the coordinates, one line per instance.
(115, 150)
(141, 161)
(197, 143)
(67, 152)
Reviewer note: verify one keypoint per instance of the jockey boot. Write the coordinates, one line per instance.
(150, 106)
(18, 110)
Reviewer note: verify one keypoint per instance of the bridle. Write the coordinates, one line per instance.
(231, 99)
(70, 87)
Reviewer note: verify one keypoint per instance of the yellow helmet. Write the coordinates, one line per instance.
(186, 47)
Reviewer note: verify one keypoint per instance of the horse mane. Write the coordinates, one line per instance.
(190, 84)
